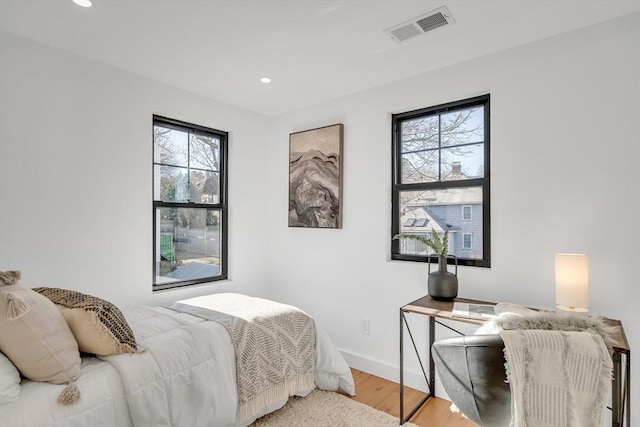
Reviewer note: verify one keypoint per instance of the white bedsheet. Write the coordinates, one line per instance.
(103, 402)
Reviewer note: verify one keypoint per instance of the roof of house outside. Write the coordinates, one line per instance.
(417, 220)
(450, 196)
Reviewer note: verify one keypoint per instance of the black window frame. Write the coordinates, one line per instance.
(222, 204)
(484, 182)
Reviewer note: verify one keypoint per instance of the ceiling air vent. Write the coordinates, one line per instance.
(421, 24)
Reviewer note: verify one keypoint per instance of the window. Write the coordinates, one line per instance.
(189, 204)
(441, 176)
(466, 213)
(467, 240)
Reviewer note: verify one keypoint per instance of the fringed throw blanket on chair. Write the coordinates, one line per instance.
(558, 378)
(275, 347)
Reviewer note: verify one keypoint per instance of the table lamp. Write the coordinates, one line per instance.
(572, 283)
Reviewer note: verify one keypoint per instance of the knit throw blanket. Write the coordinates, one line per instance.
(557, 378)
(275, 346)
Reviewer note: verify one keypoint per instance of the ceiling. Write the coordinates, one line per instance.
(314, 50)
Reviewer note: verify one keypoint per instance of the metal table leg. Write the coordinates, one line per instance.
(616, 388)
(403, 324)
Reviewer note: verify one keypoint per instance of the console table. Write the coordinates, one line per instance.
(441, 310)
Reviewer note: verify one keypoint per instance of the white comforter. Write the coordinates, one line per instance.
(185, 377)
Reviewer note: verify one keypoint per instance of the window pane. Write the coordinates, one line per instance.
(171, 184)
(463, 162)
(419, 134)
(169, 146)
(466, 241)
(205, 152)
(466, 213)
(441, 210)
(463, 126)
(205, 187)
(420, 167)
(187, 244)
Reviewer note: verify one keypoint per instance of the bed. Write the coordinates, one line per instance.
(185, 375)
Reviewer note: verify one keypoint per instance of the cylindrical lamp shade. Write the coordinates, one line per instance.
(572, 282)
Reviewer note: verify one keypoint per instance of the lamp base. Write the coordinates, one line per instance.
(573, 311)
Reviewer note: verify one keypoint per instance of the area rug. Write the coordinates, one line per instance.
(324, 409)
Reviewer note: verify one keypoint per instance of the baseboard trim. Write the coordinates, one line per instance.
(412, 378)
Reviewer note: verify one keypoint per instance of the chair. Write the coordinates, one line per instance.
(167, 248)
(472, 372)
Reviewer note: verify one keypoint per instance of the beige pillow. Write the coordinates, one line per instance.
(97, 325)
(36, 338)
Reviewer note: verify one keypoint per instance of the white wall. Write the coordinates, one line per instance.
(75, 175)
(75, 185)
(565, 129)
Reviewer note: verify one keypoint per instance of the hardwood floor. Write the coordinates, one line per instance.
(384, 395)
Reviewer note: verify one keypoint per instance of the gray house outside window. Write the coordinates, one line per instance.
(442, 211)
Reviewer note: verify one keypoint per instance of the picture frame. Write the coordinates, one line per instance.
(315, 177)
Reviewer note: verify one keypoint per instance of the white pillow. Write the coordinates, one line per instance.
(9, 380)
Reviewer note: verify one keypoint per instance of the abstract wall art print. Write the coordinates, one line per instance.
(315, 177)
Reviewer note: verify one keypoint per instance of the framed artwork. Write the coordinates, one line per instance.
(315, 177)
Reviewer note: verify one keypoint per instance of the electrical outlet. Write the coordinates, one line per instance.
(364, 326)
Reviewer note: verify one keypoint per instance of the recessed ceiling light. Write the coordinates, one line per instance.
(265, 79)
(83, 3)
